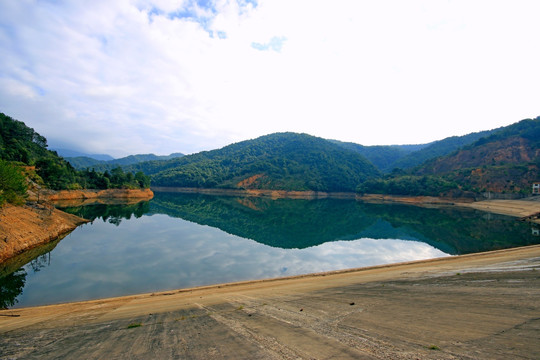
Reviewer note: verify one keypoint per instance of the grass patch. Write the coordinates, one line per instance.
(134, 325)
(433, 347)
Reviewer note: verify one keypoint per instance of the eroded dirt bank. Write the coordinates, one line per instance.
(23, 228)
(51, 195)
(481, 306)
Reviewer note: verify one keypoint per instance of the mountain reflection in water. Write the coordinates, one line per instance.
(294, 223)
(183, 240)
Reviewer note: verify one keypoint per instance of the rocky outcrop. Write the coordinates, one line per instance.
(23, 228)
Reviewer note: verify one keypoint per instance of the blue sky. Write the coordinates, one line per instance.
(161, 76)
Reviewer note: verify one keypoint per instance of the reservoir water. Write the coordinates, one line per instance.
(185, 240)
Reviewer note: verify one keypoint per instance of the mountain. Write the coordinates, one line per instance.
(133, 159)
(439, 148)
(389, 157)
(67, 153)
(280, 161)
(83, 162)
(508, 160)
(382, 156)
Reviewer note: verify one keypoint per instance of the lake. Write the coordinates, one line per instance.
(185, 240)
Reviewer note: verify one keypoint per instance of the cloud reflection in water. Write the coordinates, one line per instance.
(155, 253)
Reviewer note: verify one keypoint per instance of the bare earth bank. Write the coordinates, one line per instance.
(52, 195)
(481, 306)
(23, 228)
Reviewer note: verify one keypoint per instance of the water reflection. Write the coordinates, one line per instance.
(159, 252)
(288, 224)
(184, 240)
(11, 286)
(112, 213)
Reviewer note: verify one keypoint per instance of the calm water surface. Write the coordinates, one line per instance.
(184, 240)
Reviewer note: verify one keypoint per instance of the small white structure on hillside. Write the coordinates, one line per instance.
(536, 188)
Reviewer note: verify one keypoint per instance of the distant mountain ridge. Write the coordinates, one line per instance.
(83, 162)
(382, 156)
(68, 153)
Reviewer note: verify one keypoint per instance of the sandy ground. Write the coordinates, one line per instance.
(481, 306)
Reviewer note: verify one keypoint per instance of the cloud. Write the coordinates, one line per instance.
(164, 76)
(275, 44)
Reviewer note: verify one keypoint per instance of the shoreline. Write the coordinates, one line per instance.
(298, 308)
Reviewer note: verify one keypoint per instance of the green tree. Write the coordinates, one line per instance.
(13, 184)
(142, 180)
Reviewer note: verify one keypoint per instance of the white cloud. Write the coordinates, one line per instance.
(163, 76)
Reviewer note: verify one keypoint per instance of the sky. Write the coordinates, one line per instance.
(160, 76)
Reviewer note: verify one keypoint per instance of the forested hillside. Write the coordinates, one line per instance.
(282, 161)
(505, 161)
(83, 162)
(24, 154)
(382, 156)
(439, 148)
